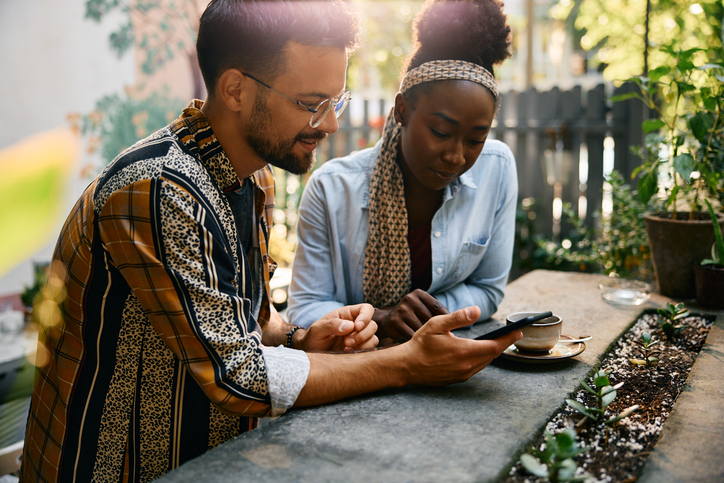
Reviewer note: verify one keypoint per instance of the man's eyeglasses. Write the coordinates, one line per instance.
(319, 111)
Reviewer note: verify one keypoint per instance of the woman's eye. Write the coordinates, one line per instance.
(477, 142)
(438, 133)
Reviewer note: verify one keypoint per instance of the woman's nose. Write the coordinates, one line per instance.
(454, 155)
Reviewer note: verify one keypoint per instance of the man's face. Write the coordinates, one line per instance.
(278, 130)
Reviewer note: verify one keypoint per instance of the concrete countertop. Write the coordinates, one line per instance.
(469, 432)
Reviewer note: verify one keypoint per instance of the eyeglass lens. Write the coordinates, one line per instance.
(324, 108)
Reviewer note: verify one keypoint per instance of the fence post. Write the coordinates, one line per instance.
(570, 114)
(595, 114)
(627, 116)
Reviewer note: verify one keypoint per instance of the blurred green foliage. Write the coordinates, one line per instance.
(615, 29)
(619, 246)
(386, 40)
(119, 120)
(159, 28)
(683, 153)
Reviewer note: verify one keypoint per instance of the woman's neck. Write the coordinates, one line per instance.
(421, 203)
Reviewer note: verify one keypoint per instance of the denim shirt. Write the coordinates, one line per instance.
(472, 235)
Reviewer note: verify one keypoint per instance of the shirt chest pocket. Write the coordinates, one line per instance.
(470, 257)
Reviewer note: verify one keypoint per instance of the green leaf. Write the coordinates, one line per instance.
(718, 239)
(685, 87)
(624, 414)
(624, 97)
(601, 381)
(684, 165)
(701, 123)
(646, 337)
(647, 186)
(652, 125)
(581, 409)
(653, 359)
(709, 103)
(567, 469)
(659, 72)
(684, 66)
(608, 398)
(588, 388)
(533, 466)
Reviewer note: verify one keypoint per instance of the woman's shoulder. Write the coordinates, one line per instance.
(355, 162)
(494, 147)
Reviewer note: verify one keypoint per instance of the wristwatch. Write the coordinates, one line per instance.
(291, 334)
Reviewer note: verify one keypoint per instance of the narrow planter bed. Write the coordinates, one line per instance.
(617, 452)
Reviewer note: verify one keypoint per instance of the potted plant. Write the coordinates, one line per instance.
(709, 274)
(682, 162)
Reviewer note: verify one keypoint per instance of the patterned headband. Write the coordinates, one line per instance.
(449, 70)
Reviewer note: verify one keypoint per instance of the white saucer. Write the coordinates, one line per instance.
(559, 352)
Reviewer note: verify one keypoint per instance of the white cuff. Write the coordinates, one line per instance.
(287, 371)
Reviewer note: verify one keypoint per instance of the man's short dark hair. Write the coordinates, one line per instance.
(250, 35)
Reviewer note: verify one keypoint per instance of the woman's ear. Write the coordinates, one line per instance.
(235, 90)
(401, 109)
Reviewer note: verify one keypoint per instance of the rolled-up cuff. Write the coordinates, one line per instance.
(287, 372)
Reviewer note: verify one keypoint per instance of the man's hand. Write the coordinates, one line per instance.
(348, 328)
(436, 357)
(400, 322)
(433, 357)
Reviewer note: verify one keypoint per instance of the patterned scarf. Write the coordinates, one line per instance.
(387, 255)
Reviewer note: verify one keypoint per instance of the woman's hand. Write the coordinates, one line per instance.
(400, 322)
(348, 328)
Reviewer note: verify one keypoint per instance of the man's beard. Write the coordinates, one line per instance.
(279, 153)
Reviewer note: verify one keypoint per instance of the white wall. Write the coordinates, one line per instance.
(53, 61)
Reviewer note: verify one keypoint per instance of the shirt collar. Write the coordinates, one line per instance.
(194, 131)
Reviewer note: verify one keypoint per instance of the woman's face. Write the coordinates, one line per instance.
(444, 132)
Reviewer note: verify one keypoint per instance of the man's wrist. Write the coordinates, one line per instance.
(290, 337)
(297, 339)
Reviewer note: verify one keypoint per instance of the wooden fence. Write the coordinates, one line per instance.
(549, 132)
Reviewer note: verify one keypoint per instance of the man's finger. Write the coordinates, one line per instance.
(360, 337)
(459, 318)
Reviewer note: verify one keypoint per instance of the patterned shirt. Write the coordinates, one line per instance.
(154, 356)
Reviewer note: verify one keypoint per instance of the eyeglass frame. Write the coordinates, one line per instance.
(345, 96)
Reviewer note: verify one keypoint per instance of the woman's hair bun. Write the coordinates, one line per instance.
(473, 30)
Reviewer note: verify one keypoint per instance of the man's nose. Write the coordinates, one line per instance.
(330, 125)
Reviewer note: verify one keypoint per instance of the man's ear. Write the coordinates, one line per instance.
(402, 108)
(235, 90)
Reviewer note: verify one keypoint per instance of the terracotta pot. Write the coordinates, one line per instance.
(676, 247)
(709, 286)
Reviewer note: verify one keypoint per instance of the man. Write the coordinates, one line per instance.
(166, 344)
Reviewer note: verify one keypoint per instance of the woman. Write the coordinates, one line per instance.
(423, 222)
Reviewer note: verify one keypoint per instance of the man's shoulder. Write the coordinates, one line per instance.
(148, 159)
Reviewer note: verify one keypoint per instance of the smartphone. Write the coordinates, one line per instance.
(519, 324)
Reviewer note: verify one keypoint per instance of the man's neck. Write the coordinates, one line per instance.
(230, 134)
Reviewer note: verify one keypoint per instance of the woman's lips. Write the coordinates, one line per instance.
(444, 175)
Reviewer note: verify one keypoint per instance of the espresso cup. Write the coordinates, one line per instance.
(539, 337)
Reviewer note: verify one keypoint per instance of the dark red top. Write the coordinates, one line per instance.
(420, 256)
